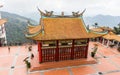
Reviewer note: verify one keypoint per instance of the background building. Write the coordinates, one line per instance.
(3, 39)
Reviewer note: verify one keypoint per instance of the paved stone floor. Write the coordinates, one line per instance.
(108, 63)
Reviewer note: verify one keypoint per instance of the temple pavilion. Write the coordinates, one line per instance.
(61, 37)
(2, 32)
(109, 39)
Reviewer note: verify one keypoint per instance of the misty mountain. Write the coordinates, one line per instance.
(103, 20)
(15, 27)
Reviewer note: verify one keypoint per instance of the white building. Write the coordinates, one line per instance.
(3, 39)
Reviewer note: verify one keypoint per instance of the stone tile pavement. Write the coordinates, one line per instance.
(108, 63)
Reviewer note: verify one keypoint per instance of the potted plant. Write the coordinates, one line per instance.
(28, 65)
(93, 54)
(94, 50)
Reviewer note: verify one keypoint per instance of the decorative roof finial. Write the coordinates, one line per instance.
(77, 14)
(46, 14)
(83, 12)
(42, 13)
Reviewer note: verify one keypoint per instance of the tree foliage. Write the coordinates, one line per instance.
(95, 25)
(117, 29)
(15, 28)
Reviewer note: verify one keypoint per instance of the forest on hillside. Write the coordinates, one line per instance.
(16, 28)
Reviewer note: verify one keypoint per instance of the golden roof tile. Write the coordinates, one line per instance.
(97, 29)
(62, 28)
(34, 29)
(112, 36)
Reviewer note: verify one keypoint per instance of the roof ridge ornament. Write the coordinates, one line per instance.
(46, 14)
(77, 14)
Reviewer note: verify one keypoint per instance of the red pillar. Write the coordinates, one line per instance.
(57, 51)
(86, 51)
(72, 49)
(100, 39)
(40, 51)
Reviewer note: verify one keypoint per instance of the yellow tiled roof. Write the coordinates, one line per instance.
(112, 36)
(62, 28)
(106, 28)
(97, 29)
(2, 21)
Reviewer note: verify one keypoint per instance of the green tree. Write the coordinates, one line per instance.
(117, 29)
(95, 25)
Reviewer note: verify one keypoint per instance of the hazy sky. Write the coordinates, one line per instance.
(93, 7)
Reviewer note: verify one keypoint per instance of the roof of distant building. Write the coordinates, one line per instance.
(112, 36)
(2, 21)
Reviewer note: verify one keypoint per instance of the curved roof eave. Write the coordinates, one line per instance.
(30, 25)
(84, 24)
(34, 34)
